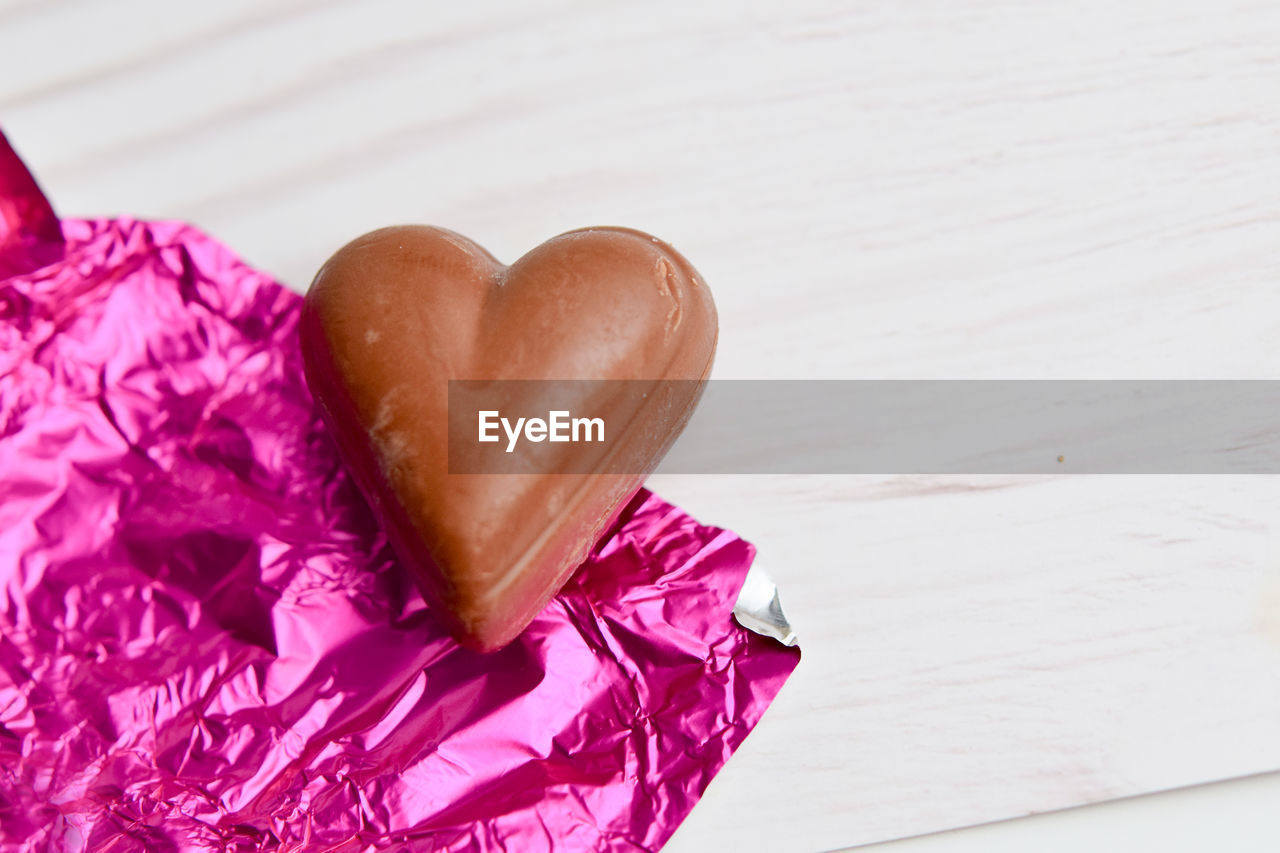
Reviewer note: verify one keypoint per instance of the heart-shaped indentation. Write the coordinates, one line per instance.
(396, 314)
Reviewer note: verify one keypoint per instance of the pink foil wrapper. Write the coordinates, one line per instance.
(208, 645)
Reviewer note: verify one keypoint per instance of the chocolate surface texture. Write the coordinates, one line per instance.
(395, 314)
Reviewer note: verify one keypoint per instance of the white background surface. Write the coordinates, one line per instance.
(978, 189)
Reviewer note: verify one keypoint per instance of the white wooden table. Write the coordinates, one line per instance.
(936, 189)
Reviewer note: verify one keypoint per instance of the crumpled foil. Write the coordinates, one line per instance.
(206, 641)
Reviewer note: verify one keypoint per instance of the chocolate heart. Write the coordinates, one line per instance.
(396, 314)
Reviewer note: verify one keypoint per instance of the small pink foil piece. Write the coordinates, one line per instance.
(207, 644)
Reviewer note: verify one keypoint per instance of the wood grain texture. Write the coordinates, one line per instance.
(983, 189)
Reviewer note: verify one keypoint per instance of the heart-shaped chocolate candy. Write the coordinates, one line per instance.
(396, 314)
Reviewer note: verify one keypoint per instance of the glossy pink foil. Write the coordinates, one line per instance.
(206, 642)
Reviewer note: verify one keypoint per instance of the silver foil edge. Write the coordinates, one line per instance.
(759, 608)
